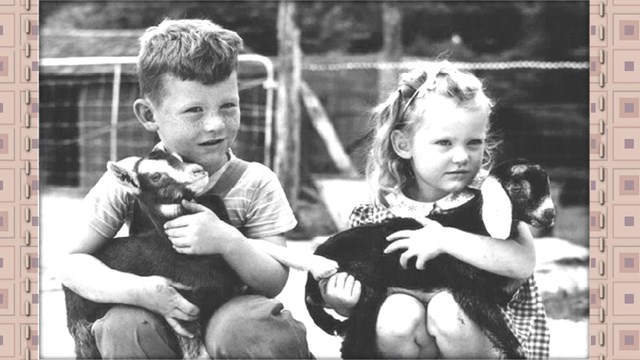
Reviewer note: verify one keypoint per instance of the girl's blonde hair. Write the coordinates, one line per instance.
(386, 171)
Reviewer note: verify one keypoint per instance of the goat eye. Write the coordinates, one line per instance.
(155, 177)
(515, 187)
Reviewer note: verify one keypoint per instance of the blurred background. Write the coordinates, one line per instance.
(331, 62)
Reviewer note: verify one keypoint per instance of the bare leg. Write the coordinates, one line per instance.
(401, 329)
(456, 335)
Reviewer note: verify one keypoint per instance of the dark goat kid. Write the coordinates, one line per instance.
(158, 179)
(359, 252)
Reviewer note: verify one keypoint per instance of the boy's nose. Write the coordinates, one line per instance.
(213, 123)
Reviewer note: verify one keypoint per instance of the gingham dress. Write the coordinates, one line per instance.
(524, 313)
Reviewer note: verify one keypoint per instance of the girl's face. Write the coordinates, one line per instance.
(445, 149)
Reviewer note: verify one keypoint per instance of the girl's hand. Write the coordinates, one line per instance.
(424, 244)
(341, 292)
(161, 295)
(200, 232)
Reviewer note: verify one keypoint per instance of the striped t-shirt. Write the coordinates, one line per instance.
(256, 203)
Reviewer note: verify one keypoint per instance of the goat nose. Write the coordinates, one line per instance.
(197, 169)
(550, 214)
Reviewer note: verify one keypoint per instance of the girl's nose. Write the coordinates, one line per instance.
(459, 156)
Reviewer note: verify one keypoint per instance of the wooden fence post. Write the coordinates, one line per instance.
(286, 162)
(391, 46)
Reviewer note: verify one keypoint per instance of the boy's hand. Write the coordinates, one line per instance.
(160, 295)
(424, 244)
(200, 232)
(341, 292)
(321, 267)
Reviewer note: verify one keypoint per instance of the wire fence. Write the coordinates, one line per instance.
(87, 116)
(411, 64)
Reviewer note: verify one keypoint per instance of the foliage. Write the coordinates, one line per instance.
(472, 30)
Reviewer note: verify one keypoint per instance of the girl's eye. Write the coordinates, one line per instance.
(476, 142)
(229, 105)
(443, 142)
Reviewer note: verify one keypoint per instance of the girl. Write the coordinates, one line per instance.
(430, 144)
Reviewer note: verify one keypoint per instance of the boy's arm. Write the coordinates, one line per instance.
(90, 278)
(319, 267)
(262, 272)
(201, 232)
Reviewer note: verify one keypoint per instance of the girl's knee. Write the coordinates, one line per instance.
(457, 336)
(401, 330)
(399, 316)
(445, 317)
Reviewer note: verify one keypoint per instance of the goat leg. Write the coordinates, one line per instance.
(360, 336)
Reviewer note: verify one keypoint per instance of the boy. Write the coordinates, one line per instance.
(189, 96)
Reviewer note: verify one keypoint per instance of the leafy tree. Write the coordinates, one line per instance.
(471, 30)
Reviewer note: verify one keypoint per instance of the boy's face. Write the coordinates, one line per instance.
(199, 122)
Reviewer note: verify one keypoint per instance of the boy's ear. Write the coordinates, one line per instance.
(143, 110)
(401, 145)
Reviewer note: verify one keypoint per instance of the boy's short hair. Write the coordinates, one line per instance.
(190, 49)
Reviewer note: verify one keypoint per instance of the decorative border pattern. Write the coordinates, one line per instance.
(614, 151)
(19, 216)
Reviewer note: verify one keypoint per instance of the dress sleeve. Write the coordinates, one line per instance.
(360, 215)
(368, 214)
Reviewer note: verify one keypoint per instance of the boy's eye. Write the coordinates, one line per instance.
(195, 109)
(229, 105)
(443, 142)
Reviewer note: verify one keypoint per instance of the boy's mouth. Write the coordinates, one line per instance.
(211, 142)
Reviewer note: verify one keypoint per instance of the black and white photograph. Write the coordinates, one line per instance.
(314, 179)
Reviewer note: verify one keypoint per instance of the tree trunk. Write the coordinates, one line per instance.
(288, 114)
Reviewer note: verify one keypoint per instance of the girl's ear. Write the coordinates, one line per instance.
(144, 112)
(401, 144)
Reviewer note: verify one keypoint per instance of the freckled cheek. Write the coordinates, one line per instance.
(232, 124)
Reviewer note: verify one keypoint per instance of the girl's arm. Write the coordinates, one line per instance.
(514, 258)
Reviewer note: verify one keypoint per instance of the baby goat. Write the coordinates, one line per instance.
(359, 251)
(160, 178)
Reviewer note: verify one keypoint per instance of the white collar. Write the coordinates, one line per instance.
(403, 206)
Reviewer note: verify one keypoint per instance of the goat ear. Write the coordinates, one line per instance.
(496, 208)
(519, 169)
(124, 176)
